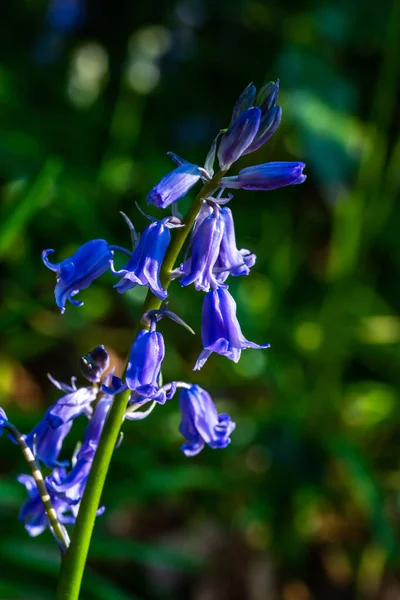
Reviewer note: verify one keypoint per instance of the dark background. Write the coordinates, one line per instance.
(305, 503)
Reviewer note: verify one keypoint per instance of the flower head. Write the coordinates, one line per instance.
(46, 442)
(70, 406)
(201, 424)
(220, 330)
(144, 367)
(144, 266)
(174, 185)
(78, 271)
(231, 261)
(268, 176)
(32, 513)
(205, 247)
(70, 486)
(238, 137)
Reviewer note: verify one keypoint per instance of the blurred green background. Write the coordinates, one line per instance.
(305, 503)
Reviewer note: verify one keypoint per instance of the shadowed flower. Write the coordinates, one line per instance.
(143, 370)
(268, 176)
(174, 185)
(220, 331)
(32, 513)
(77, 272)
(144, 266)
(231, 261)
(70, 486)
(238, 137)
(201, 424)
(205, 247)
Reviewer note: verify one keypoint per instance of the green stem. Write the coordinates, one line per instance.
(73, 564)
(58, 530)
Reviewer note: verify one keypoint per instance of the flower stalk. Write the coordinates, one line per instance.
(74, 561)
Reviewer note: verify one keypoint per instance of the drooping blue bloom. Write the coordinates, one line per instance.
(78, 271)
(201, 424)
(220, 330)
(268, 176)
(94, 364)
(3, 420)
(71, 486)
(239, 136)
(174, 185)
(46, 439)
(144, 266)
(73, 404)
(231, 261)
(46, 442)
(205, 247)
(143, 371)
(32, 513)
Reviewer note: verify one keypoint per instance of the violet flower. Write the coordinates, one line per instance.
(220, 331)
(144, 266)
(70, 406)
(174, 185)
(46, 442)
(94, 364)
(268, 176)
(78, 271)
(205, 247)
(201, 424)
(3, 420)
(238, 137)
(143, 370)
(33, 514)
(231, 261)
(71, 486)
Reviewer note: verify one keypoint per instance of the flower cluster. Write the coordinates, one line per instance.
(210, 257)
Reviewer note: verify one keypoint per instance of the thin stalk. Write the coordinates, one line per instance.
(73, 564)
(58, 530)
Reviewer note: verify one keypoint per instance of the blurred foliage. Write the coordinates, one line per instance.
(305, 503)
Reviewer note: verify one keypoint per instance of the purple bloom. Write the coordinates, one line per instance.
(94, 364)
(174, 185)
(268, 176)
(205, 242)
(269, 123)
(70, 406)
(231, 261)
(77, 272)
(201, 424)
(144, 266)
(70, 487)
(220, 330)
(32, 513)
(246, 100)
(46, 442)
(143, 371)
(237, 139)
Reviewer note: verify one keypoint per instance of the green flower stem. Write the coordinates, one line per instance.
(73, 564)
(59, 532)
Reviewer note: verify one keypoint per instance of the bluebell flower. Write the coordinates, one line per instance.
(144, 266)
(268, 176)
(201, 424)
(143, 370)
(46, 442)
(220, 329)
(70, 486)
(205, 246)
(46, 439)
(231, 261)
(78, 271)
(238, 137)
(3, 420)
(174, 185)
(32, 513)
(73, 404)
(255, 119)
(94, 364)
